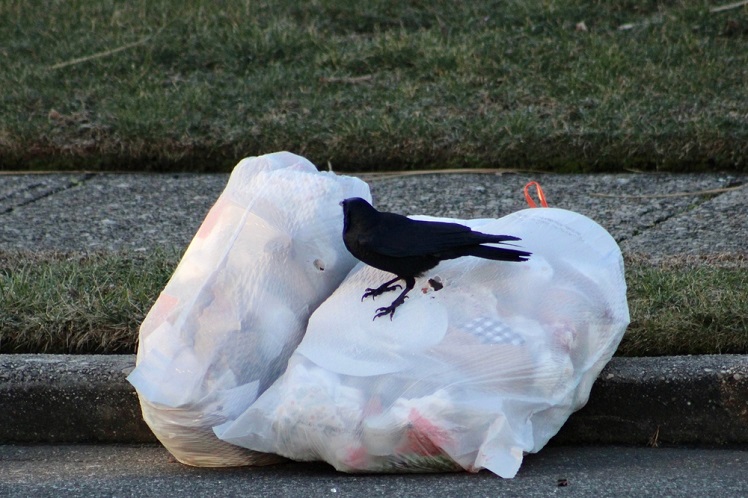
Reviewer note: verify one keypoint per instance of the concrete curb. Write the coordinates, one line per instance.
(670, 400)
(69, 399)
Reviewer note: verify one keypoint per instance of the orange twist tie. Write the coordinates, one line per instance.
(541, 195)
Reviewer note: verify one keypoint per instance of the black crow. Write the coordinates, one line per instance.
(408, 248)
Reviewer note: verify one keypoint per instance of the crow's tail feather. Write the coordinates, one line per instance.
(496, 253)
(489, 238)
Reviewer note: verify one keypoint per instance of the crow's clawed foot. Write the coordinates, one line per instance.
(380, 290)
(385, 287)
(390, 310)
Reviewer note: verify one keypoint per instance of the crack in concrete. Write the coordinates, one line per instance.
(42, 194)
(699, 200)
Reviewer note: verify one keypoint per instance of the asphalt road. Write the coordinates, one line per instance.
(116, 470)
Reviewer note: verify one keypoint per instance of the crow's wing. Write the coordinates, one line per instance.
(398, 236)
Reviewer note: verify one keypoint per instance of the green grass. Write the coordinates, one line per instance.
(56, 303)
(374, 85)
(64, 303)
(681, 308)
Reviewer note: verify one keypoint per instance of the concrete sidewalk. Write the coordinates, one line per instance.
(653, 214)
(695, 400)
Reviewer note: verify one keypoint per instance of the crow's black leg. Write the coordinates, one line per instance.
(385, 287)
(410, 282)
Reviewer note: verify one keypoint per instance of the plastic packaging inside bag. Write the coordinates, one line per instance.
(268, 253)
(485, 361)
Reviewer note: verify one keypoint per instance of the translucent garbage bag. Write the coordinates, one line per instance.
(267, 254)
(484, 362)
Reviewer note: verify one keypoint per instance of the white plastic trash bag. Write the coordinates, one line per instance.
(485, 361)
(268, 253)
